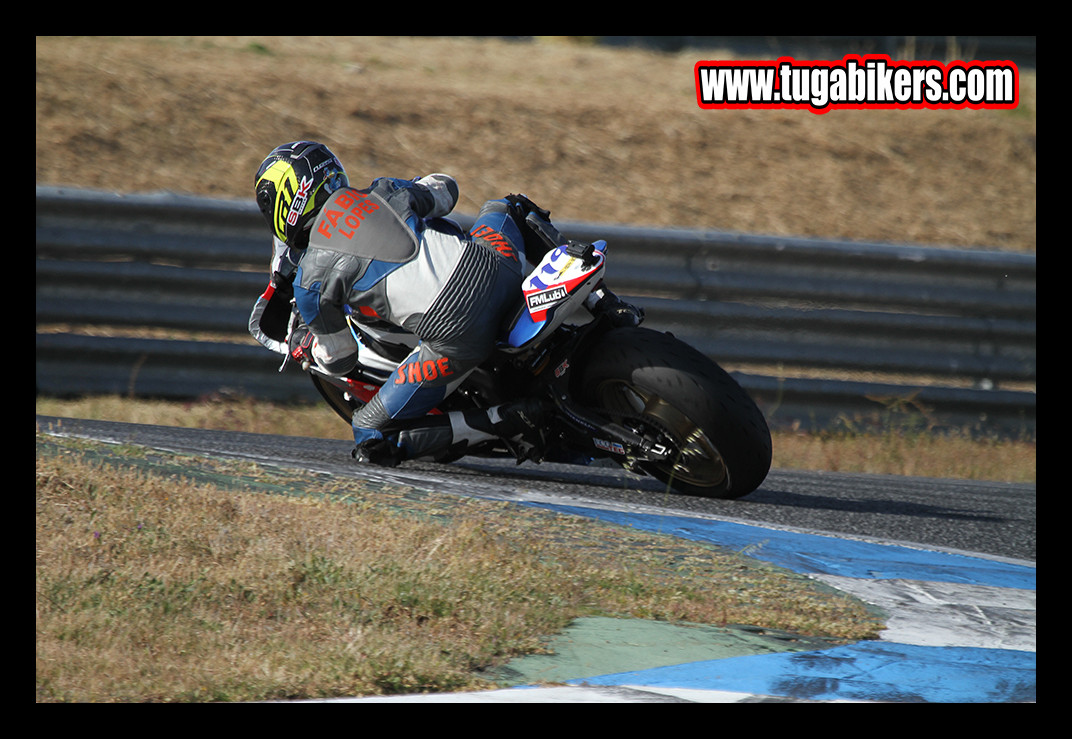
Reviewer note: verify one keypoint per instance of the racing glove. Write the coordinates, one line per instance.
(301, 345)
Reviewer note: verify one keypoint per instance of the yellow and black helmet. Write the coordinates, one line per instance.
(292, 184)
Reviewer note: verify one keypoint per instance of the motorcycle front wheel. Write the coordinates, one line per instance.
(338, 399)
(661, 387)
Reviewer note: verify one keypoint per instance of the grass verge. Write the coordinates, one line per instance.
(161, 578)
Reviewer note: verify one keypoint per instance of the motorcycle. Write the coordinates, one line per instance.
(639, 397)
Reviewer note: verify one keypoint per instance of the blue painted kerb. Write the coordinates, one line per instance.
(825, 555)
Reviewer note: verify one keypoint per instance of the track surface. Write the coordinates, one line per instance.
(996, 519)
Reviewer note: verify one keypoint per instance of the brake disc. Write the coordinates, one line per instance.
(695, 459)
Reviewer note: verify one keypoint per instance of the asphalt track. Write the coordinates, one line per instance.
(960, 625)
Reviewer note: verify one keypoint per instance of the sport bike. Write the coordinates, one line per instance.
(639, 397)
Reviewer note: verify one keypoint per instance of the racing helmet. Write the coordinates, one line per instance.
(292, 184)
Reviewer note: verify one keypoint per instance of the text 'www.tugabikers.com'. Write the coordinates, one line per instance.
(873, 81)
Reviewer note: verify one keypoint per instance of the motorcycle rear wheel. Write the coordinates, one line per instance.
(660, 386)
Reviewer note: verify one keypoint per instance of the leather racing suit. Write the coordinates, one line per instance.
(385, 256)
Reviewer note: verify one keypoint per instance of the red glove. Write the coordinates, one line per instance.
(301, 345)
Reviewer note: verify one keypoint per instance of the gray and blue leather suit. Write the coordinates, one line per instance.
(386, 256)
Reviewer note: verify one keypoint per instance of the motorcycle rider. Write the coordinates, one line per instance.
(386, 256)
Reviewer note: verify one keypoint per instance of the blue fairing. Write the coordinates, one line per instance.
(524, 330)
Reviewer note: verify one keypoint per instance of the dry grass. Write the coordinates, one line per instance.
(593, 133)
(154, 587)
(914, 453)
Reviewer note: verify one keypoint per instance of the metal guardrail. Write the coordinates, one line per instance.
(960, 322)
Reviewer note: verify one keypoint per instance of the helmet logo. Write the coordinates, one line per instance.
(301, 197)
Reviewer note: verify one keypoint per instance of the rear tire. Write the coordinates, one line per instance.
(656, 383)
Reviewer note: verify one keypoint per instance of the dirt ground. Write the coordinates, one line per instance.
(594, 134)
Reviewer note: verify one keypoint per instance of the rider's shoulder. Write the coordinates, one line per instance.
(387, 185)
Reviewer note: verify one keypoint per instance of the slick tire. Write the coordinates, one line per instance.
(652, 381)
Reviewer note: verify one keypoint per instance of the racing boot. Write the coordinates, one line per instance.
(519, 424)
(446, 437)
(379, 451)
(620, 313)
